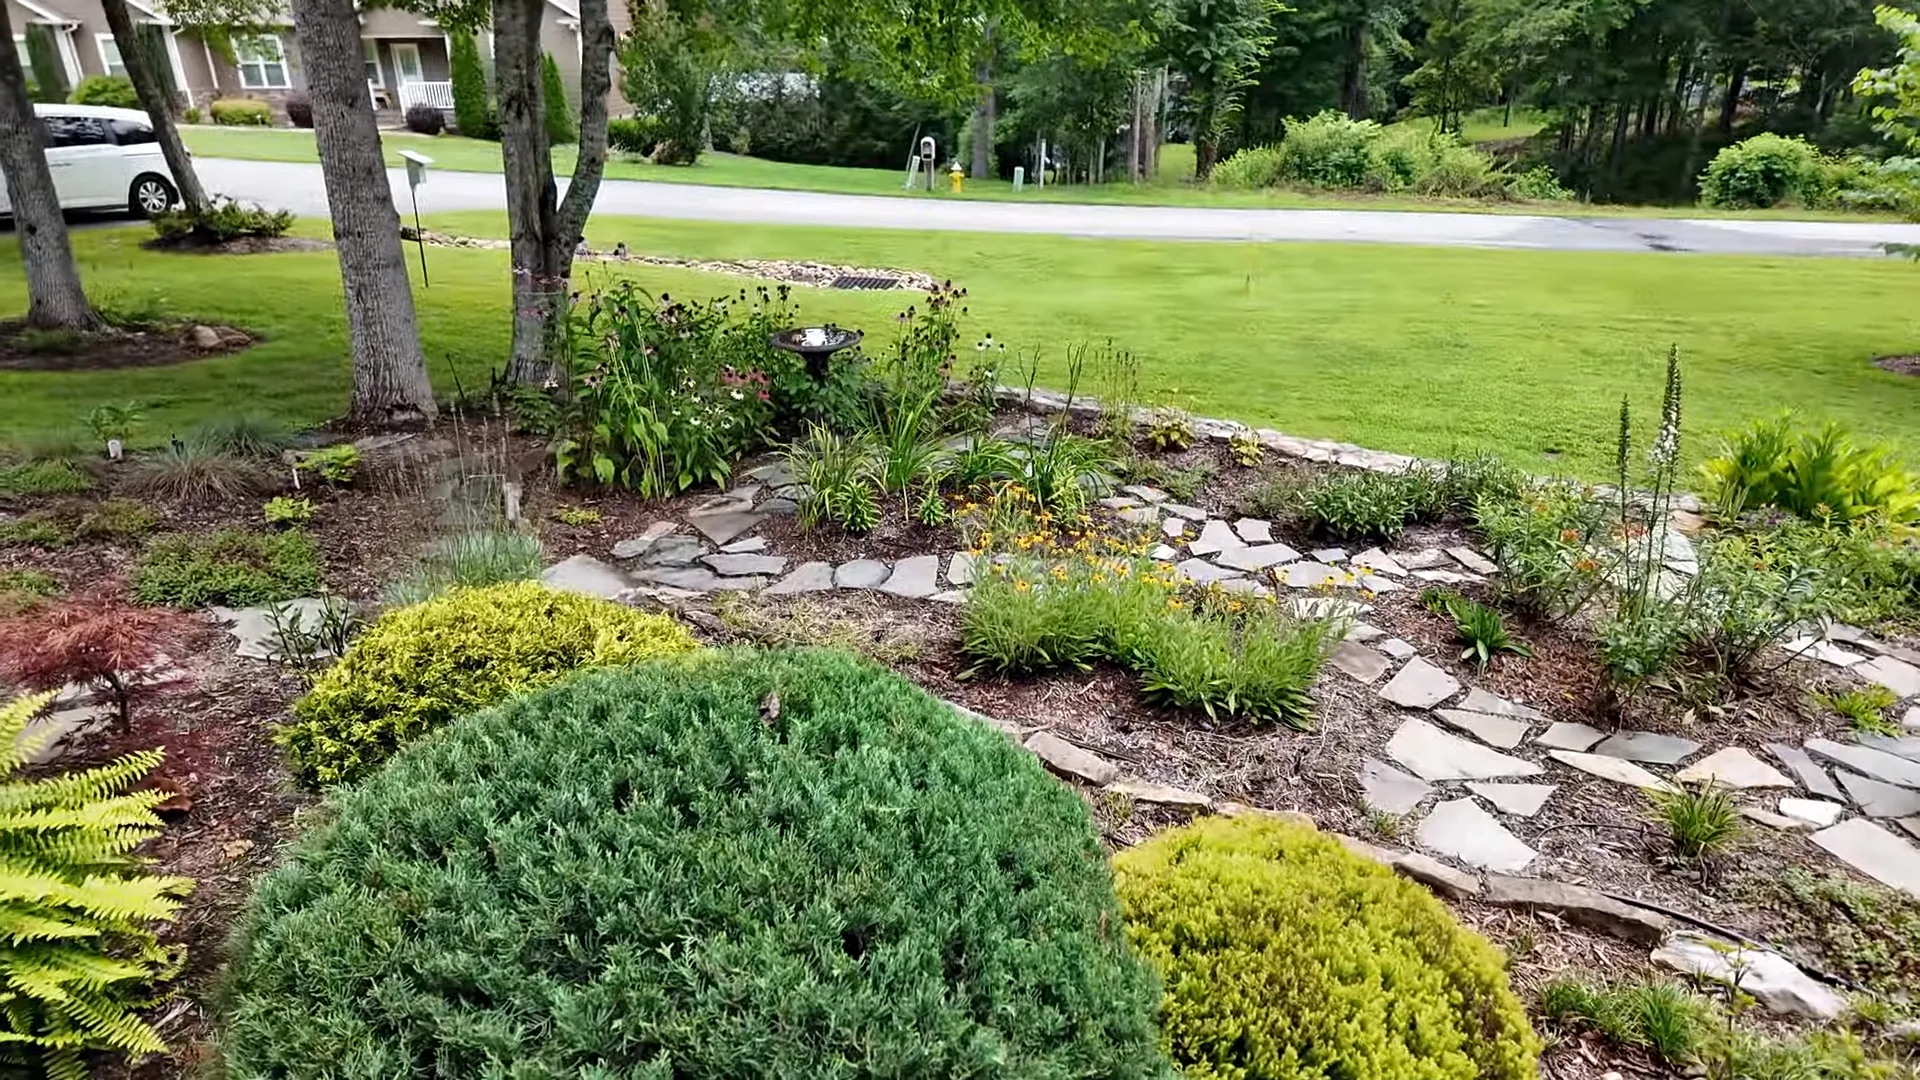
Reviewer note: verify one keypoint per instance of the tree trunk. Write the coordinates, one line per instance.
(55, 298)
(544, 231)
(1206, 150)
(390, 383)
(1353, 76)
(158, 102)
(984, 113)
(1730, 105)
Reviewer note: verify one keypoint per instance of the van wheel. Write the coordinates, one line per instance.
(151, 195)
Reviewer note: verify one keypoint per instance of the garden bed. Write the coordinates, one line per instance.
(24, 349)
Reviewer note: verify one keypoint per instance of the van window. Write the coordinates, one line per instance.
(129, 132)
(73, 131)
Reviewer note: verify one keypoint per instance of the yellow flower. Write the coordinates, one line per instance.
(1022, 586)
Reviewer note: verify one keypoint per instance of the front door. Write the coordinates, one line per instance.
(406, 62)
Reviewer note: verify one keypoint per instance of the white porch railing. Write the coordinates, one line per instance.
(437, 94)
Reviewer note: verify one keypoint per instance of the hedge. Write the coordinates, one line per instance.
(725, 864)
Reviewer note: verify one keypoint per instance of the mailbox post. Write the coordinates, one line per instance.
(417, 175)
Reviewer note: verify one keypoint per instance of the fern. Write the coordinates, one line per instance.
(76, 945)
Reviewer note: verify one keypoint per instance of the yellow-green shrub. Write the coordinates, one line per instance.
(1284, 957)
(424, 666)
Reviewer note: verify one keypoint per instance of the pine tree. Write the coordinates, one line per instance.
(472, 112)
(553, 98)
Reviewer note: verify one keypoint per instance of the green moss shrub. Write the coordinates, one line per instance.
(724, 864)
(1285, 957)
(421, 667)
(1764, 171)
(235, 567)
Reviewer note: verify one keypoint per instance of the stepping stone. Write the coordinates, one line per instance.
(1896, 675)
(1461, 829)
(1330, 555)
(1876, 799)
(1364, 632)
(1140, 515)
(1479, 700)
(948, 596)
(1811, 775)
(1254, 531)
(635, 546)
(1310, 575)
(1119, 502)
(742, 565)
(1874, 852)
(1390, 791)
(960, 568)
(698, 578)
(1776, 821)
(1816, 812)
(1772, 979)
(1447, 577)
(1733, 767)
(809, 577)
(773, 474)
(1473, 560)
(722, 504)
(252, 627)
(1616, 769)
(1163, 553)
(860, 574)
(1202, 572)
(1579, 905)
(1878, 764)
(1359, 662)
(1824, 651)
(53, 734)
(781, 507)
(678, 549)
(1648, 746)
(1328, 607)
(1144, 791)
(1911, 824)
(1432, 754)
(1420, 685)
(1173, 528)
(916, 578)
(1145, 493)
(1182, 510)
(1398, 649)
(1215, 536)
(1908, 748)
(1243, 587)
(1376, 584)
(1070, 760)
(1378, 561)
(1501, 731)
(1911, 721)
(1424, 559)
(723, 525)
(752, 546)
(1564, 736)
(1520, 800)
(1254, 559)
(585, 574)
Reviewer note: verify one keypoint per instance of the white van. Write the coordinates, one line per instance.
(103, 159)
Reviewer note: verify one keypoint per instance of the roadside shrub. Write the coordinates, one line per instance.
(1459, 172)
(1251, 167)
(95, 640)
(112, 91)
(422, 119)
(473, 557)
(234, 567)
(1328, 150)
(76, 909)
(299, 110)
(222, 220)
(776, 864)
(636, 135)
(1764, 171)
(421, 667)
(1284, 956)
(1822, 475)
(1539, 184)
(241, 112)
(192, 474)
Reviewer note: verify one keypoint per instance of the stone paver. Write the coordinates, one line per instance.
(1878, 764)
(1823, 650)
(1447, 577)
(1648, 746)
(1145, 493)
(1140, 515)
(1119, 502)
(1424, 559)
(1390, 791)
(1911, 721)
(1377, 561)
(1364, 633)
(1461, 829)
(960, 568)
(1202, 572)
(1908, 747)
(1579, 905)
(1243, 587)
(807, 577)
(1147, 792)
(1359, 662)
(1504, 732)
(678, 549)
(698, 579)
(1064, 757)
(860, 574)
(1377, 584)
(753, 545)
(585, 574)
(742, 565)
(1182, 510)
(721, 526)
(1772, 979)
(1776, 821)
(1163, 553)
(252, 627)
(1173, 528)
(1310, 575)
(1616, 769)
(1253, 559)
(1875, 852)
(1330, 555)
(1215, 536)
(948, 596)
(1877, 799)
(635, 546)
(1254, 531)
(1912, 825)
(1734, 767)
(1479, 700)
(1818, 812)
(1432, 754)
(1473, 560)
(1398, 649)
(780, 506)
(916, 578)
(1896, 675)
(1420, 685)
(1520, 800)
(1806, 770)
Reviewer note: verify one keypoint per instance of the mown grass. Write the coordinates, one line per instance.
(1423, 350)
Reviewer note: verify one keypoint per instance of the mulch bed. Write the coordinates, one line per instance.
(1908, 364)
(195, 244)
(106, 350)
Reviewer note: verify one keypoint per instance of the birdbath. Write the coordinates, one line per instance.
(816, 344)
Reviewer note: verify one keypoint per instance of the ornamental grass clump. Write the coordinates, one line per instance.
(727, 864)
(1285, 957)
(422, 667)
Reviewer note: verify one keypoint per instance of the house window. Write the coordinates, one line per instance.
(110, 55)
(370, 51)
(263, 62)
(26, 57)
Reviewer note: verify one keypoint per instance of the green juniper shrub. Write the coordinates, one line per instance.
(421, 667)
(471, 557)
(221, 220)
(1820, 475)
(22, 591)
(1866, 708)
(233, 567)
(48, 477)
(191, 474)
(753, 863)
(1284, 956)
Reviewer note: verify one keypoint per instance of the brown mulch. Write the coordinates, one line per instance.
(1907, 364)
(195, 244)
(105, 350)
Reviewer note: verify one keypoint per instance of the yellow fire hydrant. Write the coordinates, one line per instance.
(957, 178)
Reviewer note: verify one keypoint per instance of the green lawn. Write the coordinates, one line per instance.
(1171, 188)
(1424, 350)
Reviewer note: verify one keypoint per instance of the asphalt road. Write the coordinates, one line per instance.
(299, 188)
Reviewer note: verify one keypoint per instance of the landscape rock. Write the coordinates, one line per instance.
(1579, 905)
(1377, 561)
(1877, 799)
(1461, 829)
(1256, 558)
(1818, 812)
(1119, 502)
(960, 568)
(1145, 493)
(1215, 536)
(751, 546)
(677, 549)
(1447, 577)
(203, 337)
(1878, 764)
(1473, 560)
(1432, 754)
(252, 627)
(1480, 701)
(916, 578)
(1139, 515)
(743, 565)
(1908, 748)
(861, 574)
(1143, 791)
(1436, 875)
(1329, 555)
(1776, 821)
(1420, 685)
(1896, 675)
(1424, 559)
(1806, 770)
(1772, 979)
(1911, 721)
(1647, 746)
(1874, 852)
(1174, 528)
(781, 506)
(1359, 662)
(698, 579)
(1364, 633)
(1377, 584)
(1070, 760)
(1162, 553)
(1310, 575)
(1733, 767)
(1202, 572)
(51, 735)
(585, 574)
(721, 526)
(1388, 790)
(1616, 769)
(1824, 651)
(949, 596)
(1182, 510)
(807, 577)
(1502, 731)
(635, 546)
(1243, 587)
(1254, 531)
(1397, 649)
(774, 474)
(1520, 800)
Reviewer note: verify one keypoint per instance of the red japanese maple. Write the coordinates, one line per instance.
(95, 639)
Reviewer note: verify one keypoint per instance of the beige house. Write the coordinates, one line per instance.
(406, 54)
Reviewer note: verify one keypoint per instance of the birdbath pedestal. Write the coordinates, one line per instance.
(816, 344)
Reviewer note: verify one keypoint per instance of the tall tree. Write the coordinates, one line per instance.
(390, 384)
(1217, 44)
(157, 100)
(55, 298)
(1895, 89)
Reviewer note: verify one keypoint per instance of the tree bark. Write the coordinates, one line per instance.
(55, 298)
(1730, 105)
(1206, 151)
(543, 230)
(1353, 76)
(984, 114)
(390, 383)
(158, 102)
